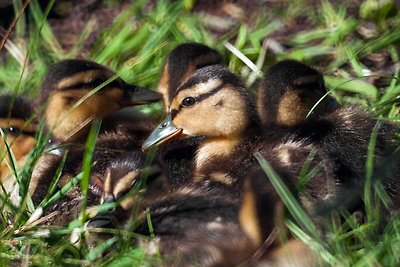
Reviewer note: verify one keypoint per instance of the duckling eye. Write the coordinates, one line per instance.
(12, 130)
(188, 101)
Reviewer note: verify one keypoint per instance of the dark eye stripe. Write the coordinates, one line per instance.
(16, 131)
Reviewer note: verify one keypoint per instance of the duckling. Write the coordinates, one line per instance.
(181, 63)
(70, 111)
(289, 91)
(122, 174)
(15, 121)
(128, 168)
(214, 104)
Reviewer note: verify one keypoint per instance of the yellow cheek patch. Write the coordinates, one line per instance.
(70, 112)
(20, 145)
(296, 104)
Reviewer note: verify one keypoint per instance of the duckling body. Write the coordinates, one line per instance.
(262, 217)
(194, 224)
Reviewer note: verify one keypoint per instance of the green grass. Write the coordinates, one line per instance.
(136, 46)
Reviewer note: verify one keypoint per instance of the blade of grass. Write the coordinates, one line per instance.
(315, 245)
(287, 197)
(87, 164)
(371, 203)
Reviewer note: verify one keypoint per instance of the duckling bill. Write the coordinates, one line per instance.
(165, 131)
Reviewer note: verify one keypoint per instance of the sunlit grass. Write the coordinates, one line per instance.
(136, 46)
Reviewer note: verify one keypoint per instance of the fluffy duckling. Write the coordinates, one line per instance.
(71, 106)
(181, 63)
(290, 89)
(123, 173)
(214, 104)
(288, 92)
(15, 121)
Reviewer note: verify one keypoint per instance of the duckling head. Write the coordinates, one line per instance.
(213, 103)
(125, 172)
(15, 114)
(182, 62)
(289, 91)
(78, 91)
